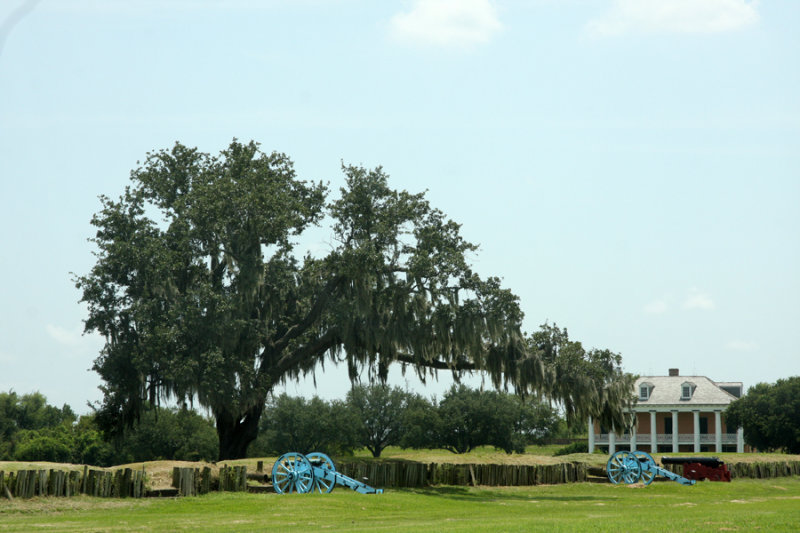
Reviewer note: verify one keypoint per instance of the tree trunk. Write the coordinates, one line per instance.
(236, 434)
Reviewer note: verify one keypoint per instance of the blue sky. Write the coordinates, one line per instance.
(630, 168)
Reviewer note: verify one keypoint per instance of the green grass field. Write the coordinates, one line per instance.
(743, 505)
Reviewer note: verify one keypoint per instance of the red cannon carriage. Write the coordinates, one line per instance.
(700, 468)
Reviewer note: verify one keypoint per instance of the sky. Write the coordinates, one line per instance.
(629, 168)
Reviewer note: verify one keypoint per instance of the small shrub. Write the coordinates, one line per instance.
(575, 447)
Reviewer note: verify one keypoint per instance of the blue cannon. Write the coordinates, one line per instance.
(315, 472)
(632, 467)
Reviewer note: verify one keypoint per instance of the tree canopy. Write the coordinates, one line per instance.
(769, 415)
(202, 293)
(26, 414)
(378, 415)
(305, 426)
(585, 382)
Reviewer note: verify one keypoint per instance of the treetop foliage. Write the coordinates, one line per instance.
(769, 415)
(585, 382)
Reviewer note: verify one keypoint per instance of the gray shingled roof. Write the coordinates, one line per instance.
(666, 390)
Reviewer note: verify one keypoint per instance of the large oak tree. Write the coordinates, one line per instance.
(202, 295)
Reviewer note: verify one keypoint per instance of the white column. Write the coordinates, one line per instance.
(718, 431)
(675, 447)
(653, 434)
(612, 441)
(696, 431)
(591, 435)
(740, 440)
(633, 437)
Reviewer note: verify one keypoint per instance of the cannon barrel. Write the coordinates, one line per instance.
(711, 462)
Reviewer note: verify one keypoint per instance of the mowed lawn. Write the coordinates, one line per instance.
(743, 505)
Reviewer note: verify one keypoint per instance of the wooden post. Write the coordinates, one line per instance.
(222, 475)
(19, 486)
(242, 478)
(30, 483)
(186, 482)
(260, 466)
(117, 484)
(137, 479)
(205, 481)
(30, 491)
(4, 486)
(41, 483)
(85, 480)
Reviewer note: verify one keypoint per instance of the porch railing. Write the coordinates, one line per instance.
(666, 438)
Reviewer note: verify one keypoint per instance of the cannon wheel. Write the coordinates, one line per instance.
(646, 462)
(623, 467)
(292, 473)
(322, 461)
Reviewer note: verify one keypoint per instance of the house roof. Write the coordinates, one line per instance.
(666, 390)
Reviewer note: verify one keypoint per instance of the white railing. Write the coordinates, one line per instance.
(666, 438)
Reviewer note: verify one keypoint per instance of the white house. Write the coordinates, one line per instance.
(676, 413)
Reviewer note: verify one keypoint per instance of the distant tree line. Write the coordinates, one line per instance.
(32, 430)
(372, 417)
(377, 416)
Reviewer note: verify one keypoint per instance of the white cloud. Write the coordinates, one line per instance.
(64, 336)
(674, 16)
(741, 346)
(699, 300)
(446, 23)
(74, 341)
(656, 307)
(6, 358)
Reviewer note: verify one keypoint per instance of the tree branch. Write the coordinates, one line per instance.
(313, 314)
(436, 364)
(317, 347)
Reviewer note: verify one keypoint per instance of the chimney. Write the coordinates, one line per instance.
(673, 372)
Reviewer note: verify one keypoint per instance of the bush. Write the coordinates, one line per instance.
(169, 433)
(575, 447)
(42, 447)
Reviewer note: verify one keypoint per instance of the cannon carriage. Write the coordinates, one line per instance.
(700, 468)
(637, 466)
(315, 472)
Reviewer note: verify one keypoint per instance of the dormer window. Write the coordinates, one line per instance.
(686, 391)
(644, 391)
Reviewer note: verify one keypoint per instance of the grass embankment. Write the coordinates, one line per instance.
(743, 505)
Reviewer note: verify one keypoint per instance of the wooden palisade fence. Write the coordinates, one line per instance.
(128, 483)
(410, 474)
(124, 483)
(193, 481)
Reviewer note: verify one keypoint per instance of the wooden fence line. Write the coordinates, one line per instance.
(409, 474)
(233, 478)
(192, 481)
(124, 483)
(128, 483)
